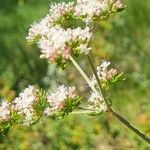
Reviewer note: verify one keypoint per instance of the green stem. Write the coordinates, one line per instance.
(98, 80)
(84, 112)
(129, 125)
(83, 74)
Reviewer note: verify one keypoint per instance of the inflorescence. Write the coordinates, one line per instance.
(58, 43)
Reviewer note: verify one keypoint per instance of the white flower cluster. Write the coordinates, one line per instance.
(4, 111)
(27, 106)
(23, 104)
(103, 73)
(97, 102)
(56, 42)
(57, 99)
(90, 8)
(39, 29)
(42, 28)
(60, 9)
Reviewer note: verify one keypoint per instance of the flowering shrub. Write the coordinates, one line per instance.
(60, 42)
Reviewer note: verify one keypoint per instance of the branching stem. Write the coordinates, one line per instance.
(113, 112)
(97, 79)
(83, 74)
(109, 109)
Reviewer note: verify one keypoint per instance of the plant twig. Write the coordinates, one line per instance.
(98, 80)
(84, 112)
(83, 74)
(114, 113)
(129, 125)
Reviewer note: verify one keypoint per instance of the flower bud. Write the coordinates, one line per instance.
(118, 6)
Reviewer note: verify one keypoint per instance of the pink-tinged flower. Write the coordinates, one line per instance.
(42, 28)
(23, 104)
(4, 111)
(39, 29)
(58, 98)
(90, 8)
(58, 42)
(118, 5)
(103, 73)
(58, 10)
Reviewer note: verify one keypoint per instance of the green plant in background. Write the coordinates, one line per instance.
(111, 44)
(13, 29)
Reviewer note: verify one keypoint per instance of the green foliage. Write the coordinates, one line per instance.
(70, 105)
(20, 64)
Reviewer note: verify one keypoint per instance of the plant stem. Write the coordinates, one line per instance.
(129, 125)
(83, 74)
(84, 112)
(114, 113)
(81, 112)
(98, 80)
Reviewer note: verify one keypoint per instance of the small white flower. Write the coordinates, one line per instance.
(24, 103)
(57, 99)
(4, 111)
(104, 64)
(103, 73)
(55, 43)
(84, 48)
(90, 8)
(96, 101)
(95, 97)
(49, 111)
(57, 10)
(39, 29)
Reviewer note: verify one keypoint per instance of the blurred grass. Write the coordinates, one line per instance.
(124, 39)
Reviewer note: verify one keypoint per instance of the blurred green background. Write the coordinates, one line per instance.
(124, 39)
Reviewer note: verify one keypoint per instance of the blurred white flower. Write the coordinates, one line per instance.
(90, 8)
(96, 102)
(58, 10)
(84, 48)
(57, 99)
(4, 111)
(23, 104)
(58, 42)
(103, 73)
(39, 29)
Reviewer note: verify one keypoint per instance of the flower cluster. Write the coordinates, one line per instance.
(90, 8)
(57, 43)
(23, 104)
(32, 103)
(42, 28)
(21, 107)
(96, 102)
(107, 77)
(103, 73)
(58, 100)
(59, 10)
(4, 111)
